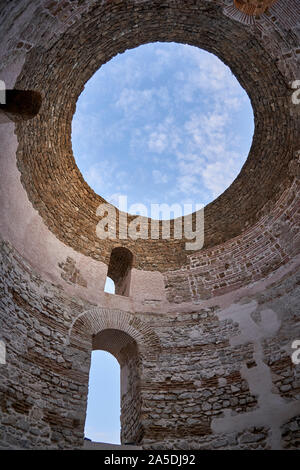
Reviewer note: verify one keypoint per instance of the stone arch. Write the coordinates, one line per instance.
(130, 340)
(92, 322)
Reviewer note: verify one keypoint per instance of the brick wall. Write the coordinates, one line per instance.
(211, 365)
(48, 170)
(266, 246)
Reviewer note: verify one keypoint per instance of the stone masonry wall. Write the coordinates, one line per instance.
(226, 379)
(131, 427)
(42, 384)
(72, 54)
(212, 367)
(223, 377)
(269, 244)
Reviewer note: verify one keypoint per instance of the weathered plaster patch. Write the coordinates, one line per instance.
(70, 273)
(272, 408)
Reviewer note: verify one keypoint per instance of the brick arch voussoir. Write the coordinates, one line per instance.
(99, 319)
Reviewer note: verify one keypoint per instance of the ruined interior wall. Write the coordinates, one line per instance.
(43, 384)
(44, 380)
(131, 400)
(70, 55)
(224, 377)
(259, 251)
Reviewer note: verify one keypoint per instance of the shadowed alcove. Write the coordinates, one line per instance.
(119, 270)
(19, 105)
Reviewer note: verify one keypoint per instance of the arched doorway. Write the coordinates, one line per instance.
(102, 423)
(124, 348)
(136, 347)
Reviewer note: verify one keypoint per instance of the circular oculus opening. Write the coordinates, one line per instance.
(164, 123)
(45, 159)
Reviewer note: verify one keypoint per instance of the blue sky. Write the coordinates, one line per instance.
(162, 123)
(103, 412)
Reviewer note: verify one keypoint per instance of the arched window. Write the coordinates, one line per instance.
(119, 270)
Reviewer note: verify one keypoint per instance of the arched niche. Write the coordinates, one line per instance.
(119, 269)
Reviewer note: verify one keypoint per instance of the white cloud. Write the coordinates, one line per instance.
(114, 199)
(194, 143)
(104, 178)
(142, 100)
(206, 74)
(204, 128)
(95, 176)
(131, 100)
(158, 142)
(218, 176)
(85, 125)
(130, 70)
(163, 136)
(159, 177)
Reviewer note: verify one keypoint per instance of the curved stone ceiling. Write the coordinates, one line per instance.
(48, 171)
